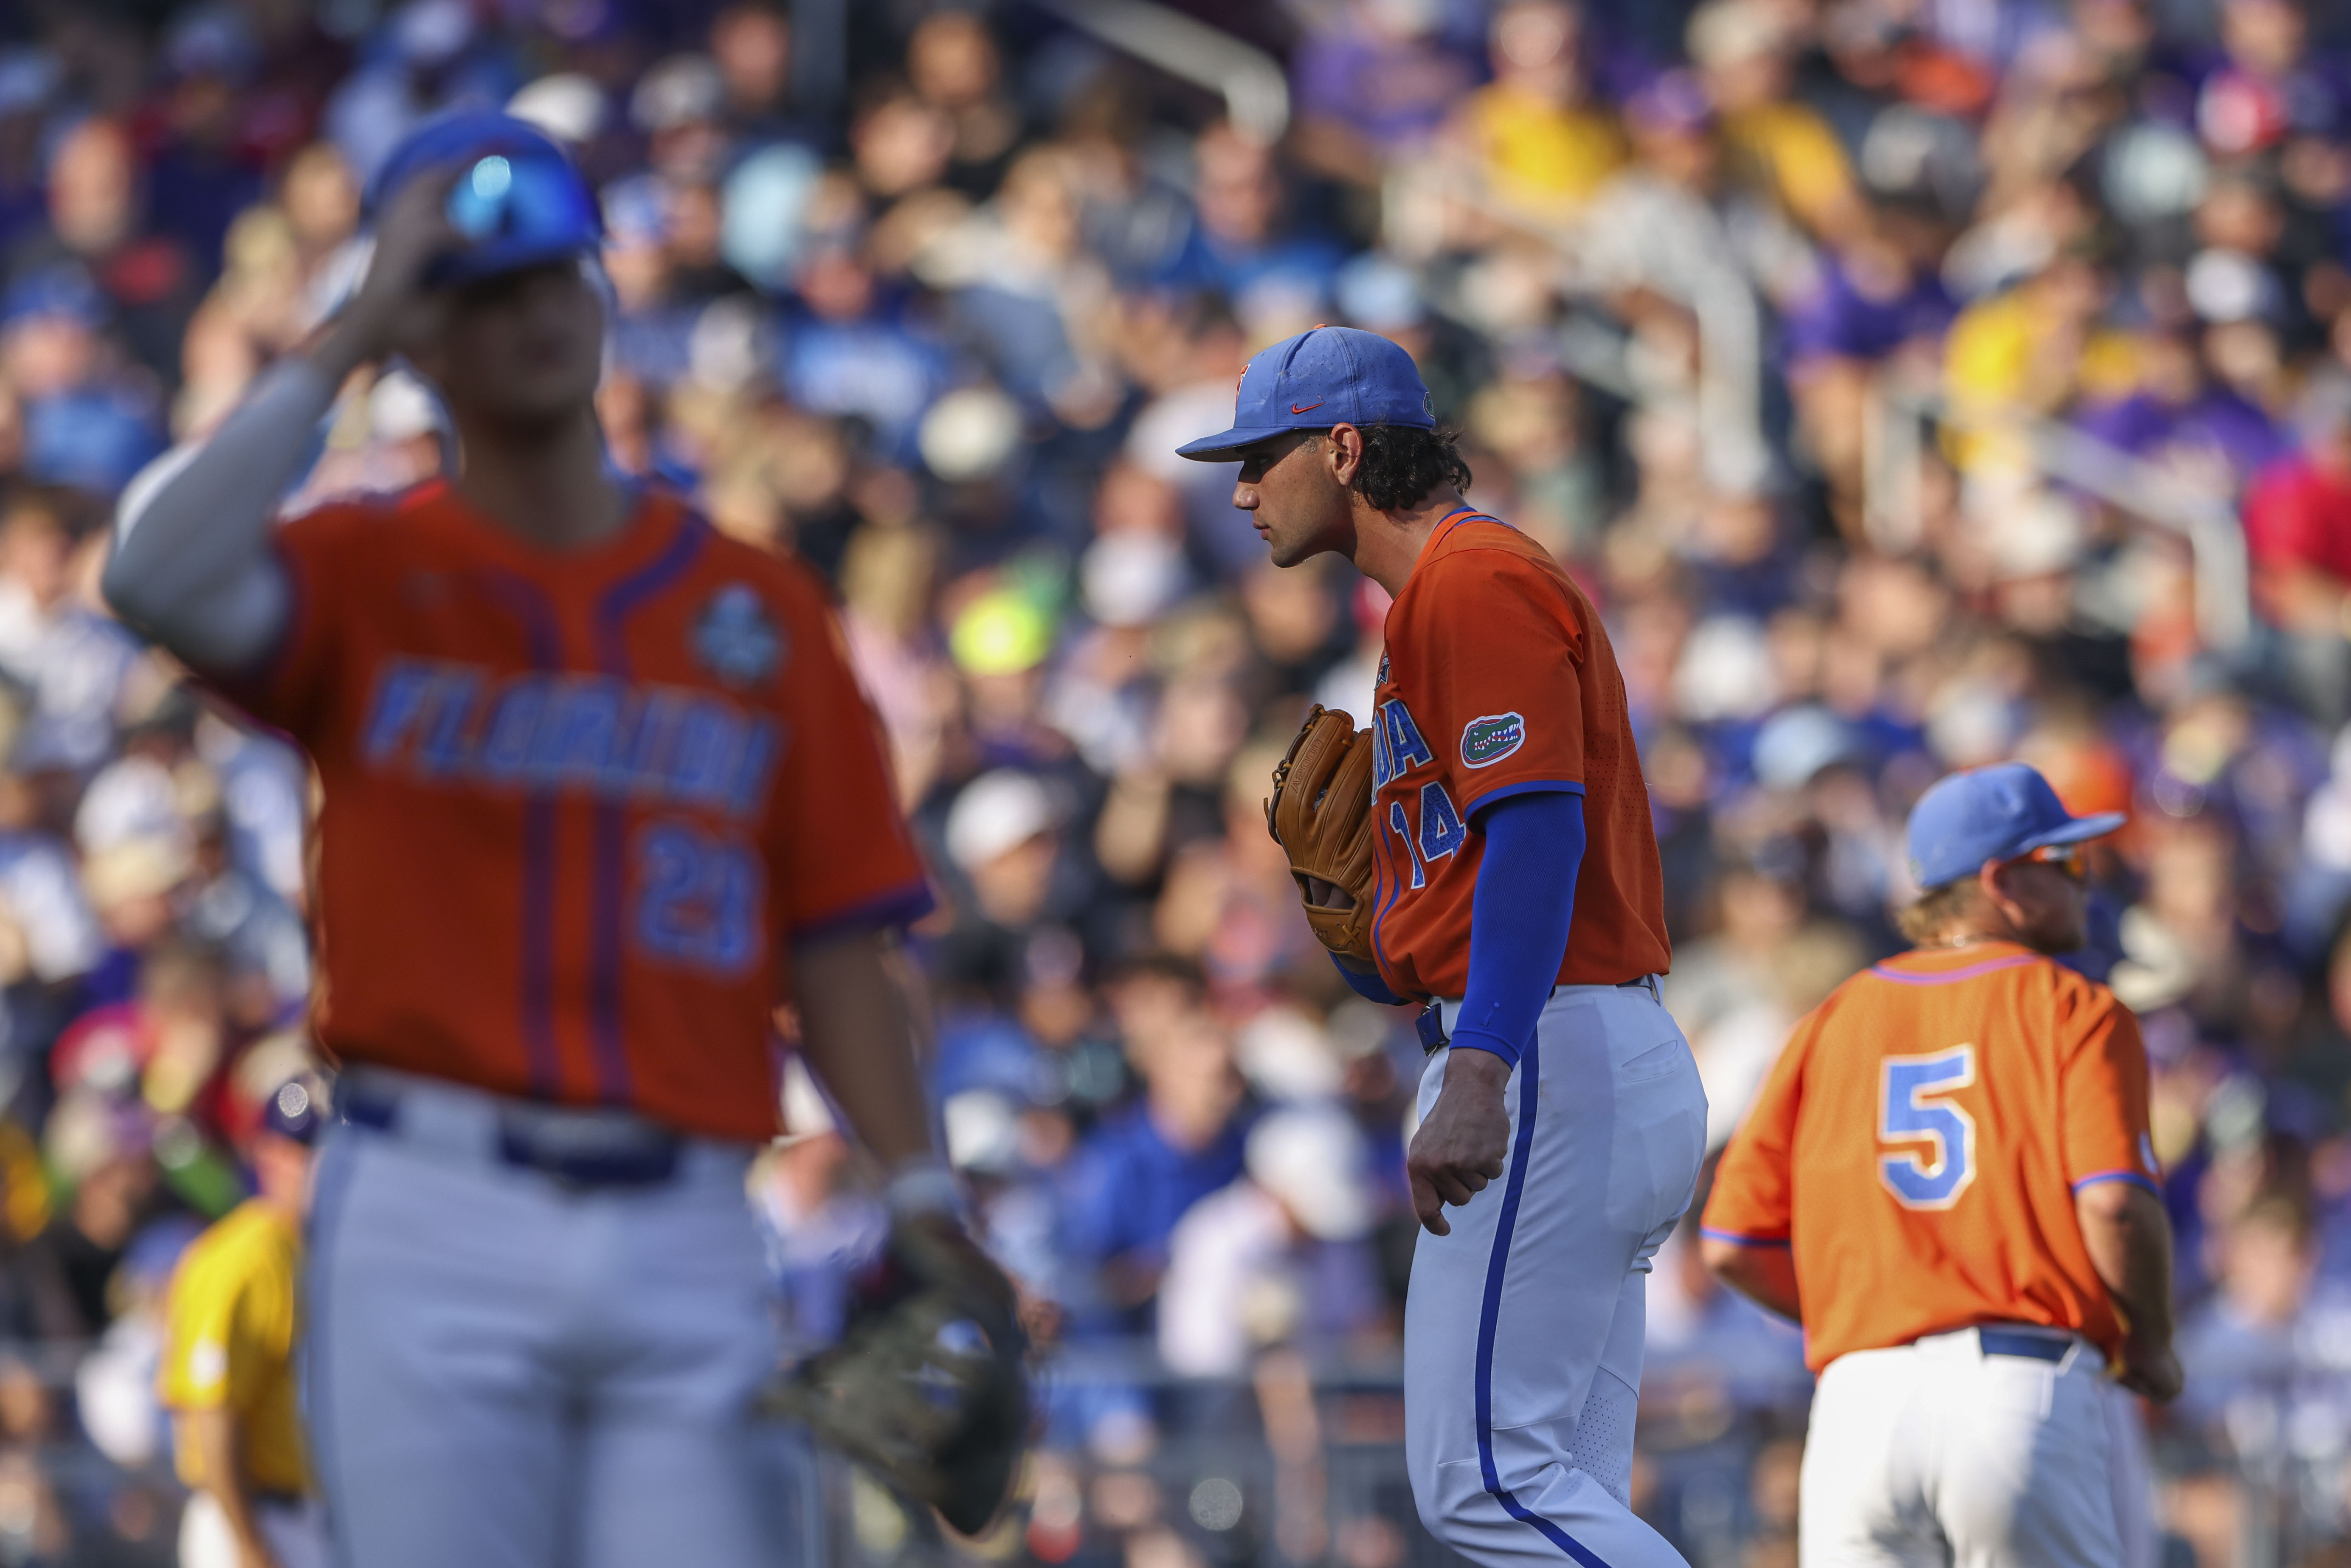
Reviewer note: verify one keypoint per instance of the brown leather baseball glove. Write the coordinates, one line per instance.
(1321, 815)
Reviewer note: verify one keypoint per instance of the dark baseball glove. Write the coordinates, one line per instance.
(1321, 814)
(927, 1388)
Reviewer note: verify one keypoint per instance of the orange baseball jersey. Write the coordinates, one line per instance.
(574, 803)
(1497, 680)
(1920, 1142)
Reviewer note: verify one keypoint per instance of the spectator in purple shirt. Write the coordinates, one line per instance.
(2179, 416)
(1877, 295)
(1375, 82)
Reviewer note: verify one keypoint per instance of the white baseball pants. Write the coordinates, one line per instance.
(1523, 1328)
(1936, 1453)
(503, 1372)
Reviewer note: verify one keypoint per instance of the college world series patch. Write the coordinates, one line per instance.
(735, 639)
(1487, 740)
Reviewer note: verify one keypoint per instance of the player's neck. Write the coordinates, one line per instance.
(550, 488)
(1388, 545)
(1973, 936)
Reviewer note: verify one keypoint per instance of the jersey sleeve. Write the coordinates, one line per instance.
(288, 689)
(1504, 658)
(1753, 1200)
(839, 855)
(2104, 1092)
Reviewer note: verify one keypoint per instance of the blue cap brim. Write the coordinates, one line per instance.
(1226, 446)
(475, 264)
(2081, 829)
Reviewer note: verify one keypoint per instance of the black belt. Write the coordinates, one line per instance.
(1430, 1024)
(635, 1156)
(2033, 1344)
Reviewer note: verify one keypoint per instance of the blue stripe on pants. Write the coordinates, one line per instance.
(1490, 1315)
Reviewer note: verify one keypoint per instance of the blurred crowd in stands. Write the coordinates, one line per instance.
(1762, 315)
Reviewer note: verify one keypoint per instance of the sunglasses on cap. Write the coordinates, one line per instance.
(2066, 860)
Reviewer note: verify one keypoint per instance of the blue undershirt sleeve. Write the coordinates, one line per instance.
(1519, 917)
(1369, 986)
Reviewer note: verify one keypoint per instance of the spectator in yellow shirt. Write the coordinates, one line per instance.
(1743, 49)
(228, 1374)
(1545, 146)
(2031, 350)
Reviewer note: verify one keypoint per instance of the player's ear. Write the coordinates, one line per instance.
(1342, 449)
(1992, 882)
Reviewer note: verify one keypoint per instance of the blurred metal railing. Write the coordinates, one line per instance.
(1300, 1462)
(1251, 81)
(1896, 434)
(1895, 421)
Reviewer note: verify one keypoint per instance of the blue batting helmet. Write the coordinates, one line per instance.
(518, 200)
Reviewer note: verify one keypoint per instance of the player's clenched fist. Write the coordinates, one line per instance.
(2152, 1374)
(1460, 1146)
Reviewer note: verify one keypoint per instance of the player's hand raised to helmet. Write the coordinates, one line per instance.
(393, 309)
(1459, 1148)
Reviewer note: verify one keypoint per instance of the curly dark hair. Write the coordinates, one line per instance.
(1402, 463)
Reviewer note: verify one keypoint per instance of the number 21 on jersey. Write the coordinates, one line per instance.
(1907, 1115)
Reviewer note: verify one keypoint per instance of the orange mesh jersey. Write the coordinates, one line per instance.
(575, 802)
(1920, 1142)
(1498, 680)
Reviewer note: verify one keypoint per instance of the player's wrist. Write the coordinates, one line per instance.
(1489, 1054)
(923, 1187)
(359, 336)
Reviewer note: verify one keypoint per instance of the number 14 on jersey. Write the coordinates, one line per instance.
(1441, 829)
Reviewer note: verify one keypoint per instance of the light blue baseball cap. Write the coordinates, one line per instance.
(1322, 377)
(1987, 814)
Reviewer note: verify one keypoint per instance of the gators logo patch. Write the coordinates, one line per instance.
(735, 639)
(1487, 740)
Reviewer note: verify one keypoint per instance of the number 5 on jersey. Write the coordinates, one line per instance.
(1907, 1115)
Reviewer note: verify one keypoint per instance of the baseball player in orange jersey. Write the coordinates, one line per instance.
(599, 791)
(1948, 1180)
(1518, 898)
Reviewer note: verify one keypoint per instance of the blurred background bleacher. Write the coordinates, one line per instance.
(1914, 383)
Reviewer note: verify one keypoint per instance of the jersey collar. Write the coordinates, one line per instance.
(655, 515)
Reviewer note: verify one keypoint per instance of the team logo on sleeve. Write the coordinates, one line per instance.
(1489, 739)
(735, 639)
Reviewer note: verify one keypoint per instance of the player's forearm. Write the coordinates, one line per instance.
(857, 1035)
(1765, 1275)
(211, 1434)
(192, 565)
(2130, 1240)
(1520, 917)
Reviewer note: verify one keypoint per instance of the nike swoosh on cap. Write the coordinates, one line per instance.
(1308, 407)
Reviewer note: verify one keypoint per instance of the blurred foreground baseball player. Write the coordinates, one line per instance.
(598, 791)
(1948, 1179)
(1488, 839)
(226, 1372)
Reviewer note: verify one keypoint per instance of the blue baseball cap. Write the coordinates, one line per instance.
(1322, 377)
(518, 200)
(63, 288)
(1986, 814)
